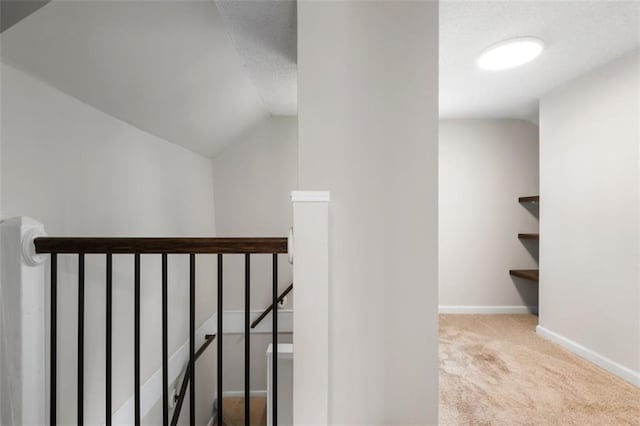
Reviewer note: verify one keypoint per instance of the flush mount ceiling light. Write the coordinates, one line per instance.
(510, 53)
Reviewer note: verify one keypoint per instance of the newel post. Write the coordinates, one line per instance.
(311, 313)
(22, 324)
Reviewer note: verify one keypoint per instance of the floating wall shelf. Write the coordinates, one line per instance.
(528, 274)
(530, 199)
(529, 236)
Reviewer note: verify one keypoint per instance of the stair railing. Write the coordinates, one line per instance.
(179, 397)
(162, 246)
(268, 309)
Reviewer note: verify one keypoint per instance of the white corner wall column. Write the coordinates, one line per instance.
(368, 132)
(22, 324)
(310, 248)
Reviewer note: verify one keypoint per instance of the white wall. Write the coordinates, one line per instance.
(253, 180)
(2, 349)
(589, 214)
(485, 165)
(82, 172)
(368, 111)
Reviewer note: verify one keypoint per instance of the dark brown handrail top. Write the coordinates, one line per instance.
(198, 245)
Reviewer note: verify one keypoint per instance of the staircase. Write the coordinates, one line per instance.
(233, 408)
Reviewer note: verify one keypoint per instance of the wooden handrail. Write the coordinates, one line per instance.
(179, 399)
(266, 311)
(160, 245)
(165, 247)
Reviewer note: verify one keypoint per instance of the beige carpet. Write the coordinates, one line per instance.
(495, 370)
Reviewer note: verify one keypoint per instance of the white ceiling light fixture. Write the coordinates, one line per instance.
(510, 53)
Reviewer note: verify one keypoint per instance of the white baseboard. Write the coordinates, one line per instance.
(233, 323)
(516, 309)
(611, 366)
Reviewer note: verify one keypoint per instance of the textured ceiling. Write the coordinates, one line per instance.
(200, 73)
(264, 33)
(579, 36)
(166, 67)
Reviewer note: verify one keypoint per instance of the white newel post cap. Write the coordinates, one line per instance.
(29, 254)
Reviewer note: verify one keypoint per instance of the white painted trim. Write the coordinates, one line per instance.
(486, 310)
(611, 366)
(23, 336)
(29, 255)
(311, 324)
(151, 391)
(285, 390)
(310, 196)
(285, 351)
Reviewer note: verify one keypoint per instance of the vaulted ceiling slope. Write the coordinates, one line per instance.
(265, 35)
(201, 73)
(579, 36)
(13, 11)
(166, 67)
